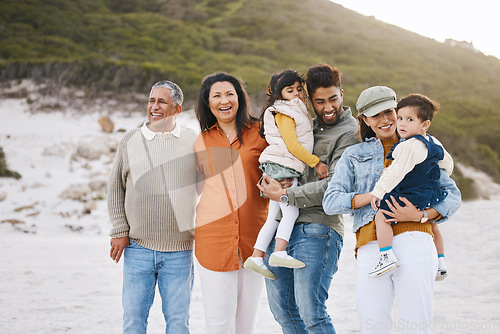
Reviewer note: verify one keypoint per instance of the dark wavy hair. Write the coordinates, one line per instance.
(322, 76)
(273, 91)
(207, 119)
(363, 131)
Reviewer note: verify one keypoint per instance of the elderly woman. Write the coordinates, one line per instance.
(231, 211)
(355, 176)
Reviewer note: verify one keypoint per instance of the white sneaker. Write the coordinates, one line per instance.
(386, 263)
(441, 274)
(287, 262)
(442, 271)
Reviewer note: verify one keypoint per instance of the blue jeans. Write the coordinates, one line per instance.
(142, 269)
(297, 297)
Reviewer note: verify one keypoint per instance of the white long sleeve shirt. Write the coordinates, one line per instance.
(407, 155)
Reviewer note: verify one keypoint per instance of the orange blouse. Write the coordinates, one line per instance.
(231, 211)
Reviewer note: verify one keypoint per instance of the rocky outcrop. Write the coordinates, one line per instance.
(106, 124)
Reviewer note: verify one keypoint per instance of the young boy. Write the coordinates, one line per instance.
(414, 174)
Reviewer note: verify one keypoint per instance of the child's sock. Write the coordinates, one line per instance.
(258, 260)
(441, 263)
(386, 250)
(281, 254)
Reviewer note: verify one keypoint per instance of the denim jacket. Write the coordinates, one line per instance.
(357, 171)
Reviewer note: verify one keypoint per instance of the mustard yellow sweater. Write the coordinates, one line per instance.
(286, 126)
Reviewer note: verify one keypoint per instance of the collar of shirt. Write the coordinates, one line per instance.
(216, 126)
(149, 135)
(223, 135)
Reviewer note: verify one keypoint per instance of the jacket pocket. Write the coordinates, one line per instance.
(362, 165)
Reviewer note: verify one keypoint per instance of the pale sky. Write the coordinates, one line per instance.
(477, 21)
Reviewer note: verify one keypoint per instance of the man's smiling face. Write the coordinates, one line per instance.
(327, 103)
(161, 105)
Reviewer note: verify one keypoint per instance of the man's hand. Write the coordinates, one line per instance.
(117, 247)
(270, 188)
(322, 170)
(407, 213)
(375, 202)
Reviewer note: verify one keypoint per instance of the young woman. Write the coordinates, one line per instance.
(349, 191)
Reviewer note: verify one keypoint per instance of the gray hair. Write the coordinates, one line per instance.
(176, 92)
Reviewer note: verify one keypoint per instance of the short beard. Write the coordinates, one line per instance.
(337, 114)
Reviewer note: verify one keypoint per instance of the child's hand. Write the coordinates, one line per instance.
(322, 170)
(375, 202)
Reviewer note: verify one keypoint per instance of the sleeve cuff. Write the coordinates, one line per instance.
(352, 203)
(314, 162)
(378, 193)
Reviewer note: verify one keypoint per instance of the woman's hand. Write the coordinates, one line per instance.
(407, 213)
(322, 170)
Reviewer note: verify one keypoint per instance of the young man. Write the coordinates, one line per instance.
(151, 203)
(297, 297)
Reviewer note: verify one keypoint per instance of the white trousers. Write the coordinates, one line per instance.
(283, 229)
(230, 299)
(411, 284)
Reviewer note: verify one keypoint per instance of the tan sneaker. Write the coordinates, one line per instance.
(262, 269)
(287, 262)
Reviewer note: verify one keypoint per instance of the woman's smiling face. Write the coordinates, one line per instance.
(383, 123)
(223, 101)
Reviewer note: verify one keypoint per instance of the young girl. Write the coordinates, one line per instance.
(414, 174)
(287, 127)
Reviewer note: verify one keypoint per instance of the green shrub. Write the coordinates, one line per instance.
(4, 171)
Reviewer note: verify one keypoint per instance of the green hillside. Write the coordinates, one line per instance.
(126, 45)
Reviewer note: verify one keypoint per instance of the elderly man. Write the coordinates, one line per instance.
(297, 297)
(151, 202)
